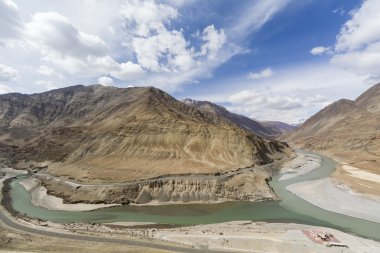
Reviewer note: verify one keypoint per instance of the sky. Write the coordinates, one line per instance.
(266, 59)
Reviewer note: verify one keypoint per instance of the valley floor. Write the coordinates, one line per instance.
(263, 237)
(243, 236)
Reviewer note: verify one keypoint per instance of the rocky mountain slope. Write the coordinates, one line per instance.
(348, 130)
(267, 129)
(278, 127)
(98, 133)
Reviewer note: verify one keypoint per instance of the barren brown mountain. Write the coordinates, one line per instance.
(98, 133)
(350, 131)
(267, 129)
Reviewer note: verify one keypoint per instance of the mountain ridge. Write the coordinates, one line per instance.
(268, 129)
(348, 130)
(103, 133)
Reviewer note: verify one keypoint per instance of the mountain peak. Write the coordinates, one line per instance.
(369, 100)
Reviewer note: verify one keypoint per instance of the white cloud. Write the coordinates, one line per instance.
(265, 73)
(47, 84)
(320, 50)
(362, 29)
(214, 41)
(127, 71)
(254, 16)
(364, 62)
(166, 51)
(48, 72)
(8, 73)
(294, 93)
(9, 20)
(357, 47)
(147, 17)
(255, 98)
(5, 89)
(106, 81)
(142, 42)
(62, 43)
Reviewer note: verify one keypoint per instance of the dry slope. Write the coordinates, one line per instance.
(349, 130)
(98, 133)
(267, 129)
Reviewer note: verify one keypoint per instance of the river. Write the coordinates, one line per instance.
(291, 209)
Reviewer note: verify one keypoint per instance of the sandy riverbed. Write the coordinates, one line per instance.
(41, 198)
(327, 194)
(301, 165)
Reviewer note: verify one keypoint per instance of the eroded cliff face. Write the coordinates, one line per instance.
(246, 185)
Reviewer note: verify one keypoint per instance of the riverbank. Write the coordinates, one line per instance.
(40, 197)
(209, 236)
(329, 195)
(237, 236)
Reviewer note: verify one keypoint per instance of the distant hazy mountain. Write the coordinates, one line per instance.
(347, 129)
(278, 126)
(268, 129)
(107, 133)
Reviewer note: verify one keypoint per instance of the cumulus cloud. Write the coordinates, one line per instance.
(106, 81)
(61, 42)
(157, 48)
(127, 71)
(8, 73)
(320, 50)
(147, 17)
(214, 41)
(143, 42)
(161, 49)
(265, 73)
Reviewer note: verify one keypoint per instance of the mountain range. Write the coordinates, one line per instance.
(98, 133)
(267, 129)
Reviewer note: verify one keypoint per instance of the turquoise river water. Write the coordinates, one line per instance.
(291, 209)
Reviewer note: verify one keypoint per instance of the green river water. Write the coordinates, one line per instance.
(291, 209)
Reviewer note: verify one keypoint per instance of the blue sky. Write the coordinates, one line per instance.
(267, 59)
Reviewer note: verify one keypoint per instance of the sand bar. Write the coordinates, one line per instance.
(301, 165)
(362, 174)
(328, 195)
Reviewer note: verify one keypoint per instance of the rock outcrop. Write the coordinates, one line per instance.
(246, 185)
